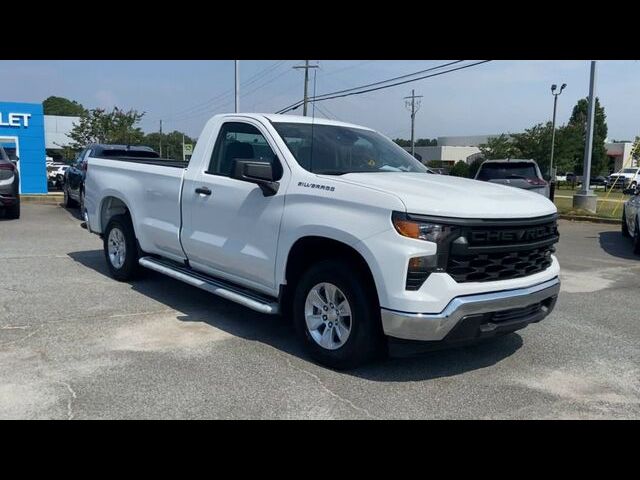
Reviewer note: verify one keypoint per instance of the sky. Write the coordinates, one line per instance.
(497, 97)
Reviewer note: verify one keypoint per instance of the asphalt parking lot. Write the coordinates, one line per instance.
(75, 344)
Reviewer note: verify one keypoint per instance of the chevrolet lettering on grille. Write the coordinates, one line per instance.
(519, 235)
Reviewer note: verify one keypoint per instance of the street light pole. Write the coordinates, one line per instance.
(553, 134)
(552, 176)
(586, 199)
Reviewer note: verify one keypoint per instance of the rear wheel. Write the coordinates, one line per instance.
(120, 248)
(636, 240)
(625, 227)
(336, 316)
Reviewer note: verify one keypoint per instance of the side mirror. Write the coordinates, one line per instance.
(258, 172)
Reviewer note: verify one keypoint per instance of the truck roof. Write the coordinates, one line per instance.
(278, 118)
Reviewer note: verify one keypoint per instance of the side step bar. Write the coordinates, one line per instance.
(216, 286)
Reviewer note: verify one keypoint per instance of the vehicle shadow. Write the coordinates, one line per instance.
(73, 211)
(615, 244)
(196, 305)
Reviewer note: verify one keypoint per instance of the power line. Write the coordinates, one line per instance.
(332, 95)
(211, 101)
(205, 109)
(430, 69)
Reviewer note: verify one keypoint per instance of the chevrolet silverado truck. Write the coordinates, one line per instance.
(334, 226)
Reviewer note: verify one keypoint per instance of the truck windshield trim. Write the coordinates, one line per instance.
(338, 150)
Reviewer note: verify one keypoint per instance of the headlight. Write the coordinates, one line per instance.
(431, 232)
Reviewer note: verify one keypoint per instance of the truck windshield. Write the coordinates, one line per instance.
(336, 150)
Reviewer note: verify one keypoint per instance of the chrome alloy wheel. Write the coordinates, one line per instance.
(117, 248)
(328, 316)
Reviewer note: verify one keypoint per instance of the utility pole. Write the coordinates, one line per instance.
(413, 107)
(586, 199)
(160, 138)
(237, 81)
(183, 158)
(306, 67)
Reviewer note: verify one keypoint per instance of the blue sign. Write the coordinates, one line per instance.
(22, 132)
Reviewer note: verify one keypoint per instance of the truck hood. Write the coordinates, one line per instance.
(443, 195)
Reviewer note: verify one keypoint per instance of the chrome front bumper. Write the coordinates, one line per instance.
(436, 326)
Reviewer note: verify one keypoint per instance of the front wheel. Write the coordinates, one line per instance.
(120, 248)
(636, 240)
(337, 317)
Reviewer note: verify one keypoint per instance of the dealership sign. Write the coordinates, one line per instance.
(14, 119)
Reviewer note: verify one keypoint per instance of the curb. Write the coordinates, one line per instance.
(43, 199)
(585, 218)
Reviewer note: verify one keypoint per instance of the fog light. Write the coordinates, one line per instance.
(419, 269)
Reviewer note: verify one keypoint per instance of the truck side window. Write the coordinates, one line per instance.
(243, 141)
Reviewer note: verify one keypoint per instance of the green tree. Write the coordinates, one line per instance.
(535, 143)
(62, 106)
(499, 147)
(460, 169)
(402, 142)
(171, 143)
(426, 142)
(100, 126)
(475, 166)
(577, 131)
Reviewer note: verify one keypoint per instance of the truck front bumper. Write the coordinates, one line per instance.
(472, 317)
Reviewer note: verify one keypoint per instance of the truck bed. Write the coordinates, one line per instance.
(162, 162)
(152, 185)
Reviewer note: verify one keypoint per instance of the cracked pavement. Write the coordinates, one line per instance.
(75, 344)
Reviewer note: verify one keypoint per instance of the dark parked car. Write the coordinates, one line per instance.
(9, 185)
(74, 176)
(517, 173)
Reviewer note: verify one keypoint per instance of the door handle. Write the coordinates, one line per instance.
(203, 191)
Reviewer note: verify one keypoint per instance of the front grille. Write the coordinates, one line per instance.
(499, 266)
(490, 253)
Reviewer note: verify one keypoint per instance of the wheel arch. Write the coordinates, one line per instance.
(111, 205)
(310, 249)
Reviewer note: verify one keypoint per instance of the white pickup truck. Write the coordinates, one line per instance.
(335, 226)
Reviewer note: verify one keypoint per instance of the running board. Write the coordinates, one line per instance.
(216, 286)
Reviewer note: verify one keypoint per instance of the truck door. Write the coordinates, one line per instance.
(231, 230)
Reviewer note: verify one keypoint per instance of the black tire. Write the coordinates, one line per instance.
(13, 211)
(129, 267)
(68, 201)
(625, 228)
(81, 205)
(636, 240)
(366, 341)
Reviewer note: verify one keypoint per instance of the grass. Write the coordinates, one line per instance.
(603, 209)
(615, 194)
